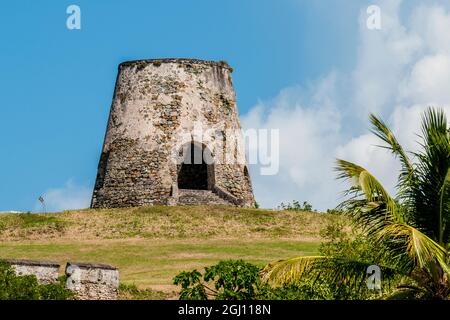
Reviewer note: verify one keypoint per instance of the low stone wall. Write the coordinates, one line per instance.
(46, 272)
(88, 281)
(92, 281)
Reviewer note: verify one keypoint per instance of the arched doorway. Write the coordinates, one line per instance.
(195, 172)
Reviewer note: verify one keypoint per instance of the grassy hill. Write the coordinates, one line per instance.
(151, 245)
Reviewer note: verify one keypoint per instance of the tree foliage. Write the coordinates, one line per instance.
(296, 206)
(227, 280)
(410, 230)
(239, 280)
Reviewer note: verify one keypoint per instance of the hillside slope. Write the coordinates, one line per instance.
(151, 245)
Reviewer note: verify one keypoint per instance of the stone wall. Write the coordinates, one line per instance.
(46, 272)
(92, 281)
(88, 281)
(160, 106)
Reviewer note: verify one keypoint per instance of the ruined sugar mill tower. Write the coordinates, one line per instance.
(173, 137)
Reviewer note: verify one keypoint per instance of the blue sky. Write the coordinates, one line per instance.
(57, 84)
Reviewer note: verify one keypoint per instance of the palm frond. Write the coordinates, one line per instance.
(290, 270)
(431, 194)
(443, 207)
(423, 250)
(434, 120)
(407, 174)
(371, 205)
(414, 227)
(335, 271)
(406, 292)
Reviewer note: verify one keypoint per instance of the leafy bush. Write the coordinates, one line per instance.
(13, 287)
(296, 206)
(239, 280)
(231, 280)
(306, 289)
(354, 245)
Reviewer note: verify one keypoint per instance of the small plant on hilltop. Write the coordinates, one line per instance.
(296, 206)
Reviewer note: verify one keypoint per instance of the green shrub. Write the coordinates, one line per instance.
(354, 246)
(239, 280)
(13, 287)
(304, 290)
(227, 280)
(296, 206)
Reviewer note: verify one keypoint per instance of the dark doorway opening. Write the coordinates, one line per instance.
(193, 173)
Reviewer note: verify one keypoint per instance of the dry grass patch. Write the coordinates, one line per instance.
(160, 222)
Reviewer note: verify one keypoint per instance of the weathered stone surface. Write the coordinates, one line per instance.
(87, 280)
(157, 108)
(200, 197)
(92, 281)
(46, 272)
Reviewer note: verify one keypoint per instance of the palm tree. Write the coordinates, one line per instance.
(413, 229)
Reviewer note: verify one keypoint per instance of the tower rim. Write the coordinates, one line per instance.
(221, 64)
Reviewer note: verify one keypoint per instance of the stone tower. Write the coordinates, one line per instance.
(173, 137)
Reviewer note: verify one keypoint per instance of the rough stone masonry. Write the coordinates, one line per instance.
(46, 272)
(165, 112)
(88, 281)
(92, 281)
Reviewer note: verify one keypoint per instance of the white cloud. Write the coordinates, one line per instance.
(431, 24)
(401, 69)
(70, 196)
(429, 81)
(383, 56)
(309, 125)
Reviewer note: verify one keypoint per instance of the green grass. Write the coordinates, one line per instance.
(131, 292)
(151, 245)
(26, 221)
